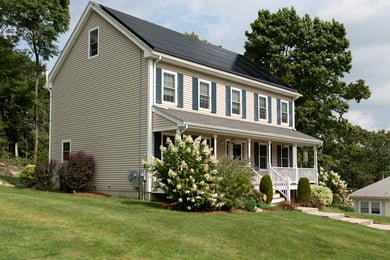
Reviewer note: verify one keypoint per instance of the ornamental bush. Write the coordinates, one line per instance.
(235, 182)
(28, 176)
(76, 174)
(266, 188)
(45, 171)
(304, 193)
(333, 181)
(323, 194)
(188, 174)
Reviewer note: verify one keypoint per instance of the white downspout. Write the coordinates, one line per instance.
(48, 87)
(149, 137)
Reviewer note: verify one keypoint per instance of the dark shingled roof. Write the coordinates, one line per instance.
(181, 46)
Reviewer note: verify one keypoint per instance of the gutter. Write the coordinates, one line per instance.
(48, 86)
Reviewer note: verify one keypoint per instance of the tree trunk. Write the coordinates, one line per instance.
(16, 150)
(36, 110)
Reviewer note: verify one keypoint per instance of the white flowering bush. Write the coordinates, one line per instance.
(188, 174)
(338, 186)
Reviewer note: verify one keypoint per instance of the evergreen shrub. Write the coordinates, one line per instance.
(323, 194)
(266, 188)
(304, 192)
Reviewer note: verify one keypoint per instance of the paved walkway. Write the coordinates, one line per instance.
(342, 217)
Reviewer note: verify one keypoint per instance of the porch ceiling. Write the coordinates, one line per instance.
(235, 127)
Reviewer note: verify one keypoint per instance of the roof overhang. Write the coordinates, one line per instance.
(237, 128)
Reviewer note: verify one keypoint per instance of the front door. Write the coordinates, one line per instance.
(235, 149)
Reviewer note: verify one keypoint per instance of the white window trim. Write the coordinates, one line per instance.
(89, 43)
(209, 83)
(267, 156)
(281, 112)
(62, 148)
(231, 101)
(370, 207)
(163, 71)
(266, 107)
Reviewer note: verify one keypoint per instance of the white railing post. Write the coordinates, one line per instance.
(288, 190)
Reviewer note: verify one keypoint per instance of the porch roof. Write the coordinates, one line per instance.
(235, 127)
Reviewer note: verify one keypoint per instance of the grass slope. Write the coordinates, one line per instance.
(35, 224)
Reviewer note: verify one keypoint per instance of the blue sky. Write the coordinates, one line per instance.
(224, 22)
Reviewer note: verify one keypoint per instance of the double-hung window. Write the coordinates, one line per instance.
(204, 95)
(93, 47)
(284, 112)
(263, 107)
(236, 102)
(370, 207)
(65, 150)
(169, 87)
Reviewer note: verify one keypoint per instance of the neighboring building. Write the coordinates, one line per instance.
(123, 85)
(373, 199)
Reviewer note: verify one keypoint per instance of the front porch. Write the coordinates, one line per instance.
(284, 153)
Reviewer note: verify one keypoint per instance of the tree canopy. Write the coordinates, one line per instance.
(38, 23)
(313, 56)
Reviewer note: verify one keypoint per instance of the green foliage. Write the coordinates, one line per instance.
(323, 194)
(188, 174)
(45, 172)
(249, 204)
(343, 207)
(235, 182)
(29, 177)
(266, 187)
(333, 181)
(76, 174)
(304, 192)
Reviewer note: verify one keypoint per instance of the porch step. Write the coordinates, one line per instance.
(277, 198)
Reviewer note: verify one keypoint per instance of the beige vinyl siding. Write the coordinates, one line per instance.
(221, 94)
(162, 124)
(100, 104)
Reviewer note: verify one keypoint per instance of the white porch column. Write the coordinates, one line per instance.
(315, 163)
(269, 156)
(178, 133)
(249, 151)
(215, 145)
(295, 162)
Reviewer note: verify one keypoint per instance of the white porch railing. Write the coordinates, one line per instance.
(282, 178)
(294, 174)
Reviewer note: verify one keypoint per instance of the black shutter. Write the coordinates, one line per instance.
(157, 144)
(257, 162)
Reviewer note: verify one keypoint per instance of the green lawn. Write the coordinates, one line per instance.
(47, 225)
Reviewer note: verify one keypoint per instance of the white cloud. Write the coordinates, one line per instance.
(362, 118)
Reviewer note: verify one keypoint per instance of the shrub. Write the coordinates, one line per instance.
(76, 174)
(333, 181)
(45, 171)
(249, 204)
(266, 188)
(287, 206)
(28, 176)
(188, 174)
(304, 193)
(343, 207)
(235, 182)
(323, 194)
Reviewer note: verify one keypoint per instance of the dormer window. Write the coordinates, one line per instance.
(169, 87)
(93, 48)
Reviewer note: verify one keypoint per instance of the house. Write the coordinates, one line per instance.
(373, 199)
(123, 85)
